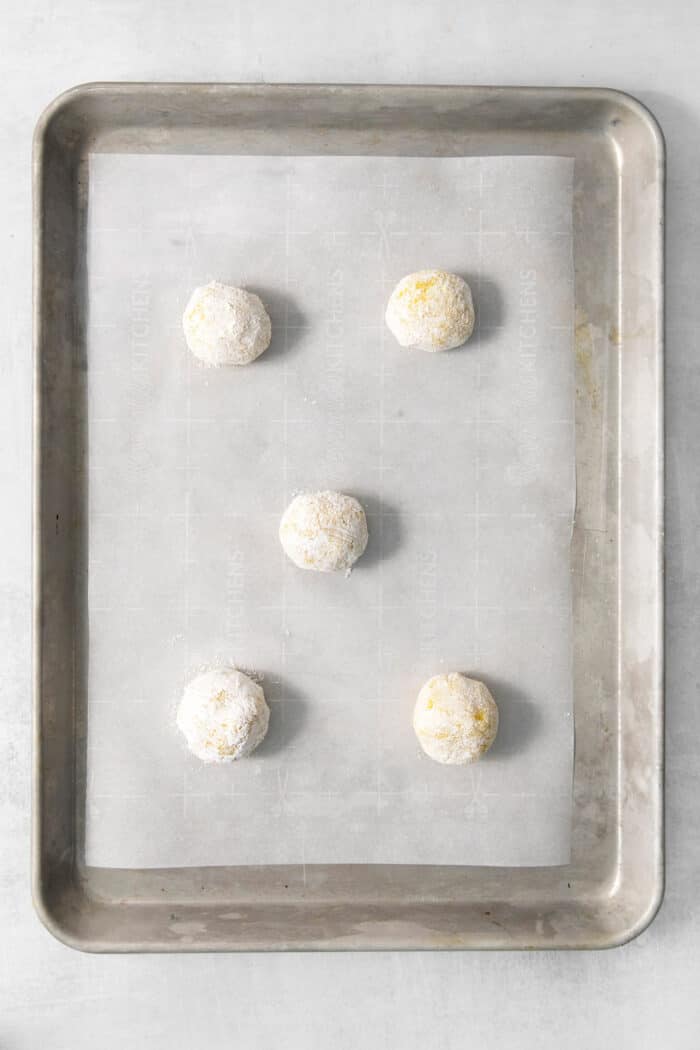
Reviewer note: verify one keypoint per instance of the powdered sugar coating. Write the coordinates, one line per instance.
(324, 531)
(455, 719)
(431, 310)
(224, 325)
(223, 715)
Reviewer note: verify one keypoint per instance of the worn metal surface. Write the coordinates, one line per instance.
(613, 885)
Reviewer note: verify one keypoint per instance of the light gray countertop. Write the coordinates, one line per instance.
(642, 995)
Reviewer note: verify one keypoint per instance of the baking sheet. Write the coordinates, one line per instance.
(464, 462)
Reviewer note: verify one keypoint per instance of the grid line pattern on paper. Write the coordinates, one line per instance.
(462, 473)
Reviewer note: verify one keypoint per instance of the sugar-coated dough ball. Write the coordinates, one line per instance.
(325, 531)
(431, 310)
(223, 715)
(225, 325)
(455, 718)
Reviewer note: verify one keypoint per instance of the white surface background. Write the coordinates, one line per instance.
(641, 996)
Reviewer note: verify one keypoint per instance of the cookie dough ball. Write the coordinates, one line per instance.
(225, 325)
(325, 531)
(455, 719)
(223, 715)
(431, 310)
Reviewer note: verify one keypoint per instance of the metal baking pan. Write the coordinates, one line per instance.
(613, 885)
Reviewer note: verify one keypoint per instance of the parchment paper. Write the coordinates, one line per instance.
(464, 462)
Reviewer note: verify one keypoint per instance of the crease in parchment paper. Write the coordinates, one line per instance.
(464, 462)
